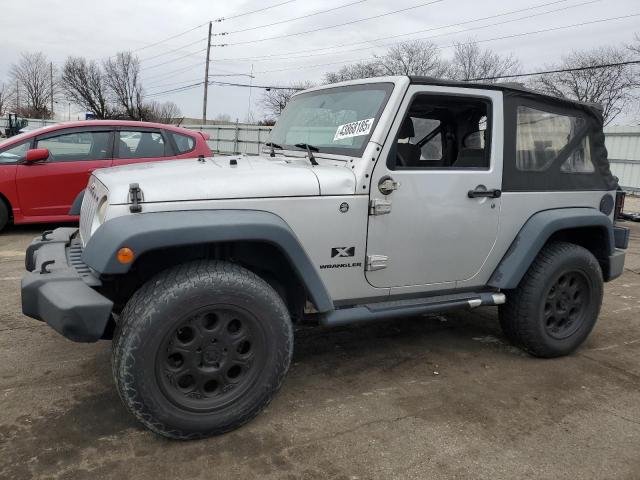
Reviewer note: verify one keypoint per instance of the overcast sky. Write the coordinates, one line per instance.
(59, 28)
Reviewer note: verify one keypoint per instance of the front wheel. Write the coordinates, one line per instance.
(4, 215)
(200, 349)
(556, 304)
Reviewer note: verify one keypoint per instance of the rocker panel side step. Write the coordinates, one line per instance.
(406, 308)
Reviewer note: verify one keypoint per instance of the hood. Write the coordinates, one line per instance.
(226, 177)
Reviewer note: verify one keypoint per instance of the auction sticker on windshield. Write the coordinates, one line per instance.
(354, 129)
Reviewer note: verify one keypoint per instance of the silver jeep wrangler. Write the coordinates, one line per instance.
(374, 199)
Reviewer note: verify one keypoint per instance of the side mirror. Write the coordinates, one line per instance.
(36, 155)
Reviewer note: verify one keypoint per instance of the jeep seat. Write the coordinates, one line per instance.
(471, 158)
(408, 154)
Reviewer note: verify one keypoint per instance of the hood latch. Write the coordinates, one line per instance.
(135, 197)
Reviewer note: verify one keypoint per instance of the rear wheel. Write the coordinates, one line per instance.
(556, 304)
(201, 349)
(4, 215)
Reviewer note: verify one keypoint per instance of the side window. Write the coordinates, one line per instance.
(443, 132)
(14, 153)
(428, 129)
(184, 143)
(541, 136)
(77, 146)
(140, 144)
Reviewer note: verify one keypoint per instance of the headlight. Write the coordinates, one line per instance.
(102, 210)
(99, 216)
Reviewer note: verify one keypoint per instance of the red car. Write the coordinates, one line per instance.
(42, 171)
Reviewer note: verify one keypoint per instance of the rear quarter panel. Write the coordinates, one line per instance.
(516, 209)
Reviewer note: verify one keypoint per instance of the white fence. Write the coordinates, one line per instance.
(236, 138)
(623, 145)
(33, 122)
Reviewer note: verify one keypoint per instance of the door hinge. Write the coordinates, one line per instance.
(377, 206)
(376, 262)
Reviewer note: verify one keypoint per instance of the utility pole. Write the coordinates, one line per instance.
(249, 102)
(51, 85)
(17, 97)
(206, 78)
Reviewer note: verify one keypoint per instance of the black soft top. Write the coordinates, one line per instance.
(515, 89)
(552, 178)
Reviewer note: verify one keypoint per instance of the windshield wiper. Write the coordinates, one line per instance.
(309, 149)
(273, 147)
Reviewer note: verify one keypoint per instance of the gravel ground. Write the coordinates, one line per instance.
(430, 397)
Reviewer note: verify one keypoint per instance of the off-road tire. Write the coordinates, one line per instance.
(154, 314)
(4, 215)
(534, 312)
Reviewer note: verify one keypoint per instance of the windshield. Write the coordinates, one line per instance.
(337, 120)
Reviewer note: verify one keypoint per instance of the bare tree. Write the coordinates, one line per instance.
(472, 62)
(223, 118)
(33, 73)
(84, 84)
(167, 112)
(355, 71)
(612, 86)
(6, 97)
(635, 46)
(274, 100)
(122, 76)
(415, 57)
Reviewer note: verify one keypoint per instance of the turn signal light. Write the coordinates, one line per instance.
(125, 255)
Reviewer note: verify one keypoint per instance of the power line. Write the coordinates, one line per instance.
(170, 38)
(172, 72)
(499, 77)
(420, 31)
(176, 90)
(164, 40)
(177, 49)
(230, 84)
(163, 85)
(221, 19)
(264, 39)
(172, 60)
(559, 70)
(221, 84)
(505, 37)
(293, 19)
(289, 20)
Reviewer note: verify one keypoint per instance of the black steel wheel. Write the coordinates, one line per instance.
(211, 358)
(567, 305)
(201, 349)
(556, 304)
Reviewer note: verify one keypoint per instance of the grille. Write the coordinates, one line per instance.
(94, 192)
(74, 255)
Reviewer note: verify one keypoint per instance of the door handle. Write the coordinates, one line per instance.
(480, 192)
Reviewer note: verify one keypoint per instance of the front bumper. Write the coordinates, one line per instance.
(60, 289)
(616, 265)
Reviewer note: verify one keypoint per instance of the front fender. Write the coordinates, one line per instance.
(535, 233)
(151, 231)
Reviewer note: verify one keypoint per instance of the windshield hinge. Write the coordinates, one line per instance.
(377, 206)
(376, 262)
(135, 197)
